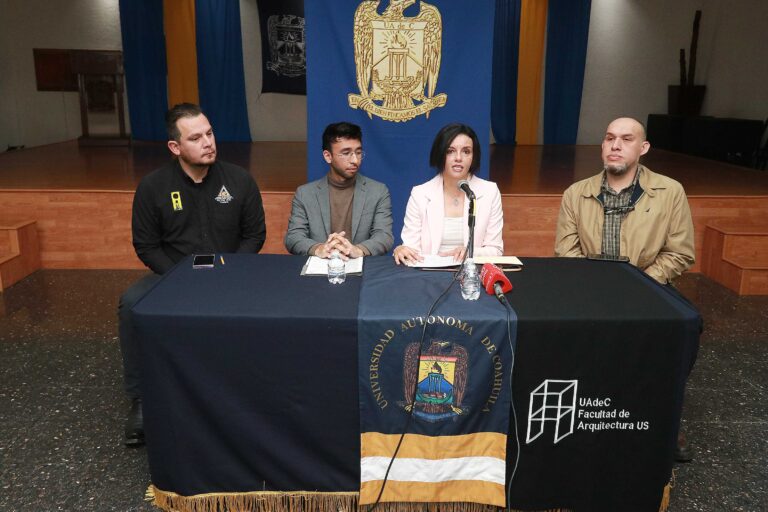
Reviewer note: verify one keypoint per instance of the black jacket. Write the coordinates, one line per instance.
(174, 216)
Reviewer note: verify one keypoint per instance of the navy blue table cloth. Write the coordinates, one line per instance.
(250, 380)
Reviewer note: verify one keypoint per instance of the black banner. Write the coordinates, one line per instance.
(283, 56)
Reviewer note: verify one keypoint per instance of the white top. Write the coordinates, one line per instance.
(453, 234)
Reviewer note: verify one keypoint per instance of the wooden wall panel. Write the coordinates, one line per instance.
(529, 224)
(706, 209)
(91, 229)
(5, 242)
(755, 282)
(277, 209)
(712, 253)
(747, 250)
(77, 229)
(23, 253)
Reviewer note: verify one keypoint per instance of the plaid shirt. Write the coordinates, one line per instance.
(615, 207)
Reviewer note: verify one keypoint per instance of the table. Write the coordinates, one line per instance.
(250, 380)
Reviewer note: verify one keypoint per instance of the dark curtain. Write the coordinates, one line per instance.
(506, 42)
(567, 35)
(141, 23)
(221, 80)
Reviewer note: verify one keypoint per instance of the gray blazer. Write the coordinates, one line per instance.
(310, 221)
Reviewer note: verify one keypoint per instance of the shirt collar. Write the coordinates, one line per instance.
(605, 188)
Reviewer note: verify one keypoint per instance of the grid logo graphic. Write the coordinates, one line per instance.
(553, 401)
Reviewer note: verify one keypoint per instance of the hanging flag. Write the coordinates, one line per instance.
(283, 48)
(401, 70)
(454, 386)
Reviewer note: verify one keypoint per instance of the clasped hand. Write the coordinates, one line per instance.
(338, 242)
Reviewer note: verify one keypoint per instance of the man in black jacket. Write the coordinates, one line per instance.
(193, 205)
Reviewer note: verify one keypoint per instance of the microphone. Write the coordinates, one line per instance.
(464, 185)
(495, 282)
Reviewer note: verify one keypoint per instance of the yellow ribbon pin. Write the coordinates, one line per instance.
(176, 201)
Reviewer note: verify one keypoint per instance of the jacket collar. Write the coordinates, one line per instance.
(648, 182)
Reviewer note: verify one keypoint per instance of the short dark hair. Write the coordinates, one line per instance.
(443, 141)
(175, 113)
(342, 130)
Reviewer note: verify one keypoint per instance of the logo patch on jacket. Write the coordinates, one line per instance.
(224, 196)
(176, 201)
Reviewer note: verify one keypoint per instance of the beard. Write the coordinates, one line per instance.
(199, 162)
(616, 170)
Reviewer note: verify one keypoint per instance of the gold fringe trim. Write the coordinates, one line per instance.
(272, 501)
(260, 501)
(445, 507)
(667, 494)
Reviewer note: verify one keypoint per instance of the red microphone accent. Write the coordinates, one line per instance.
(490, 275)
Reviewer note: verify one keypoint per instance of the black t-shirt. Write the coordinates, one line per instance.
(173, 216)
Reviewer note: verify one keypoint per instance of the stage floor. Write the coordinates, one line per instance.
(281, 167)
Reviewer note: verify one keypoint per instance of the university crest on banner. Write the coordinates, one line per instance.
(283, 46)
(439, 379)
(286, 45)
(397, 60)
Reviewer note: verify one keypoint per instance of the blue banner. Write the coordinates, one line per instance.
(401, 74)
(455, 386)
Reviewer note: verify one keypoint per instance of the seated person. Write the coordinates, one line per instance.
(628, 210)
(343, 210)
(195, 204)
(437, 211)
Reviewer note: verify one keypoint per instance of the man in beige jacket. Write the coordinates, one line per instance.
(627, 211)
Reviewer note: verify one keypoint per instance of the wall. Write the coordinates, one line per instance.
(633, 54)
(31, 117)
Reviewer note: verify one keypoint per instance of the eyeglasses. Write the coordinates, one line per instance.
(347, 155)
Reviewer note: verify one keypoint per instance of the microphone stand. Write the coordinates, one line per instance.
(471, 223)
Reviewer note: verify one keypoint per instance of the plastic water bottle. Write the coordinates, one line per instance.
(470, 280)
(337, 272)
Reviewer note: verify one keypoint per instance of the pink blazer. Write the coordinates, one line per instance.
(423, 226)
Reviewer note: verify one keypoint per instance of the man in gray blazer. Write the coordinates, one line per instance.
(344, 210)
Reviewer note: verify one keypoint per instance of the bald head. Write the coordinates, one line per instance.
(623, 145)
(629, 123)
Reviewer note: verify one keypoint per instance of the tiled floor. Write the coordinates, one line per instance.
(62, 409)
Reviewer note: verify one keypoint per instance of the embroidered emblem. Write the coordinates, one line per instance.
(176, 201)
(397, 60)
(440, 378)
(224, 196)
(286, 45)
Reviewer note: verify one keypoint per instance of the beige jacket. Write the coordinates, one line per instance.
(657, 236)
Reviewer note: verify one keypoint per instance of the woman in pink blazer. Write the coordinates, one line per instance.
(436, 215)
